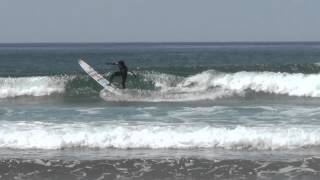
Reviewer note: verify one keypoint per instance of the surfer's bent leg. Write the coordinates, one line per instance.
(118, 73)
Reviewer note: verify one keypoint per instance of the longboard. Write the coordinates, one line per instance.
(98, 77)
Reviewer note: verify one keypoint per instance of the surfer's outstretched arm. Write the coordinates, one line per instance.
(113, 63)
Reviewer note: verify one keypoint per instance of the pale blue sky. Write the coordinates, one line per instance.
(159, 20)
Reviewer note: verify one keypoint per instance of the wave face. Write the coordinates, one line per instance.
(154, 86)
(40, 135)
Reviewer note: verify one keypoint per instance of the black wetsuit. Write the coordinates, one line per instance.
(123, 72)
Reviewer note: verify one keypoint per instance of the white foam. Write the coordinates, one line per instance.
(55, 136)
(269, 82)
(210, 85)
(32, 86)
(162, 81)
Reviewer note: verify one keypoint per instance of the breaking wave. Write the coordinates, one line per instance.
(41, 135)
(32, 86)
(268, 82)
(154, 86)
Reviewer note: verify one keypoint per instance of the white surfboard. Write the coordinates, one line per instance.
(98, 77)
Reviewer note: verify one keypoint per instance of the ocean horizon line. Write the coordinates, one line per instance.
(226, 43)
(165, 42)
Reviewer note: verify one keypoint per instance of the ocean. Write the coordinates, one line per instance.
(194, 111)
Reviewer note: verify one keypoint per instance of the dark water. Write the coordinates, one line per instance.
(194, 111)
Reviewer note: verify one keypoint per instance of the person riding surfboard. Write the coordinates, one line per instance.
(123, 72)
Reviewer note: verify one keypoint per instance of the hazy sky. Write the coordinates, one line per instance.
(158, 20)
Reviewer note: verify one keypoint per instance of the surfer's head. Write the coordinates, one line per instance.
(121, 63)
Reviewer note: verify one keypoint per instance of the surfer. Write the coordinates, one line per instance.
(123, 72)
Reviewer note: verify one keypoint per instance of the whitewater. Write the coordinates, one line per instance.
(39, 135)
